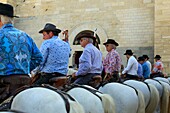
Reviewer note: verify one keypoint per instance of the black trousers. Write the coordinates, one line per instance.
(128, 76)
(9, 84)
(85, 79)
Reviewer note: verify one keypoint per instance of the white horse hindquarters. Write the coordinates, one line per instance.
(38, 100)
(90, 102)
(125, 98)
(142, 87)
(159, 88)
(150, 93)
(165, 82)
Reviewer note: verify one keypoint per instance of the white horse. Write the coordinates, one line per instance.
(10, 111)
(126, 98)
(166, 85)
(44, 100)
(151, 95)
(159, 87)
(92, 100)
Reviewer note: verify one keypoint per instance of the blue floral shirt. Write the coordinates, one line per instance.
(56, 56)
(18, 52)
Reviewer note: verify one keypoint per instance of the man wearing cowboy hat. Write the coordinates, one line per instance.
(148, 62)
(55, 54)
(112, 62)
(132, 66)
(145, 67)
(18, 55)
(157, 68)
(90, 62)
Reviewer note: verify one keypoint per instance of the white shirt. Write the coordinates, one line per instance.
(132, 66)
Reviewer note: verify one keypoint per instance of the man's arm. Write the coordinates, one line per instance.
(36, 57)
(85, 63)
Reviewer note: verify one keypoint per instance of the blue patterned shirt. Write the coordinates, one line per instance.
(90, 61)
(56, 56)
(18, 52)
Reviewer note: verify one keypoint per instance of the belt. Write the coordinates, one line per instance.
(54, 74)
(115, 72)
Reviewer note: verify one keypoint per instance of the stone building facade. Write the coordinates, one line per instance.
(140, 25)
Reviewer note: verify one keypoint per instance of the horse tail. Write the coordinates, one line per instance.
(141, 105)
(108, 103)
(76, 107)
(164, 99)
(154, 99)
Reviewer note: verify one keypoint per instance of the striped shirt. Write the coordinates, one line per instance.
(158, 67)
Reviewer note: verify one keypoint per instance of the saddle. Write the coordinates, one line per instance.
(96, 80)
(58, 82)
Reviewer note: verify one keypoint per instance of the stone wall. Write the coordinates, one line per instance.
(129, 22)
(162, 32)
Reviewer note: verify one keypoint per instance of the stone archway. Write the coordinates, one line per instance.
(101, 36)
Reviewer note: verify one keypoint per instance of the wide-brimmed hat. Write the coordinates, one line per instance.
(111, 41)
(7, 10)
(128, 52)
(146, 56)
(50, 27)
(141, 58)
(86, 35)
(157, 56)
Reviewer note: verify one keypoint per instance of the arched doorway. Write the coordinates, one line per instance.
(77, 54)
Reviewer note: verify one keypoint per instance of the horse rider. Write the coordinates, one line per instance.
(19, 54)
(112, 62)
(90, 62)
(55, 53)
(132, 66)
(148, 62)
(145, 67)
(157, 68)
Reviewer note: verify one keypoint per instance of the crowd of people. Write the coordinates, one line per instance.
(20, 55)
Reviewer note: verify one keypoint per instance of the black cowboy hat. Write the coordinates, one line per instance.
(128, 52)
(141, 58)
(50, 27)
(86, 35)
(111, 41)
(7, 10)
(146, 56)
(157, 56)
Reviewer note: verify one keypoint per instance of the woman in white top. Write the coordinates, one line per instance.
(132, 66)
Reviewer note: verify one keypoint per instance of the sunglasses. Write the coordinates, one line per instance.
(107, 45)
(82, 39)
